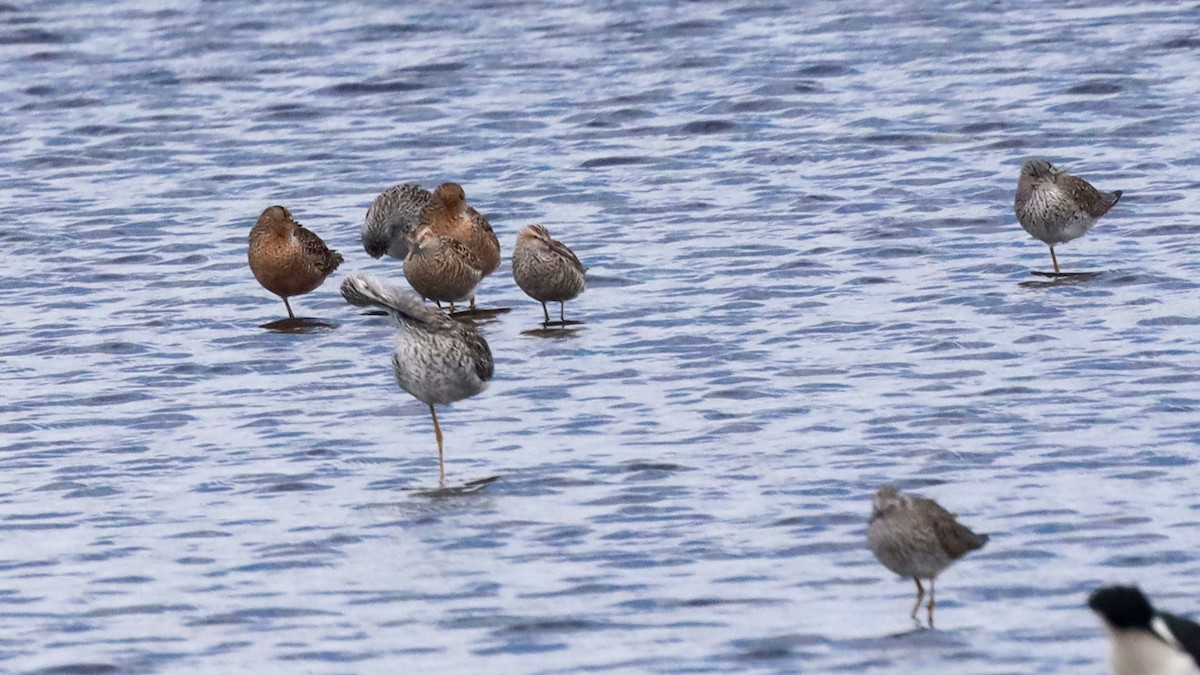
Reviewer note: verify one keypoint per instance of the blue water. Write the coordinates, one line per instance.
(805, 280)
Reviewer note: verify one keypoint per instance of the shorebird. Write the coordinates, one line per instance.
(440, 268)
(448, 214)
(392, 220)
(436, 358)
(915, 537)
(1144, 641)
(1055, 207)
(546, 269)
(286, 258)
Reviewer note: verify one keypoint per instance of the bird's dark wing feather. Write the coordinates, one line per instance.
(326, 260)
(1094, 202)
(955, 538)
(563, 251)
(479, 219)
(1187, 633)
(462, 252)
(484, 365)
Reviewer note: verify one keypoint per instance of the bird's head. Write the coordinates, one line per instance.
(887, 500)
(1122, 607)
(1037, 169)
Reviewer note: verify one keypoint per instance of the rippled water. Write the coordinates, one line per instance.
(806, 280)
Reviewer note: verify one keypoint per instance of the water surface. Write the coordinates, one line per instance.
(805, 280)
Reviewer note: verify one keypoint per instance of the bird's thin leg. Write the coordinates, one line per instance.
(438, 303)
(437, 430)
(472, 308)
(289, 307)
(920, 597)
(561, 319)
(932, 603)
(1055, 259)
(452, 310)
(546, 313)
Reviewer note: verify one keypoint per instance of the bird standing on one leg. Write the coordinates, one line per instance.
(546, 269)
(1055, 207)
(915, 537)
(286, 258)
(436, 359)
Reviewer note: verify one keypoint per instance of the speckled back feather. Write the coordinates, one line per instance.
(392, 218)
(324, 258)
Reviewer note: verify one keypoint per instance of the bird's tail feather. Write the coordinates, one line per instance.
(364, 290)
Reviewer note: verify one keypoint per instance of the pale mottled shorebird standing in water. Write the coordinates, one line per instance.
(1144, 641)
(441, 269)
(1055, 207)
(447, 214)
(546, 269)
(392, 220)
(915, 537)
(286, 258)
(436, 358)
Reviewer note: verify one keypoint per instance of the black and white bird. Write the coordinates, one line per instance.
(1145, 641)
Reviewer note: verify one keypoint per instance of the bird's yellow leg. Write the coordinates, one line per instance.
(437, 430)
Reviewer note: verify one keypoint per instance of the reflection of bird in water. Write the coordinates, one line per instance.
(392, 219)
(286, 258)
(447, 214)
(1144, 641)
(441, 269)
(1056, 207)
(436, 359)
(546, 269)
(915, 537)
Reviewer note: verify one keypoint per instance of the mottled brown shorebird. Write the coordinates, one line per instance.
(286, 258)
(915, 537)
(1145, 641)
(546, 269)
(441, 269)
(447, 214)
(392, 220)
(1055, 207)
(436, 359)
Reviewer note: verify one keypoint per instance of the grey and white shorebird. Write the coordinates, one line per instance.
(436, 358)
(546, 269)
(392, 220)
(1144, 641)
(1055, 207)
(286, 258)
(915, 537)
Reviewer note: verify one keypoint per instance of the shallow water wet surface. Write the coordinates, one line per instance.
(805, 280)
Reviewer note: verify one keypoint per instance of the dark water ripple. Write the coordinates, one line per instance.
(805, 280)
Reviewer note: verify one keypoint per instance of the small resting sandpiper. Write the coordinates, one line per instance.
(286, 258)
(546, 269)
(915, 537)
(1055, 207)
